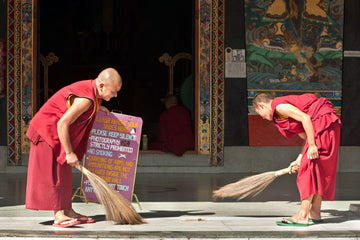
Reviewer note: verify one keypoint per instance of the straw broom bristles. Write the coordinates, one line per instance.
(249, 186)
(117, 208)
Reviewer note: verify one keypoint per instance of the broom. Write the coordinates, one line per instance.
(117, 208)
(250, 186)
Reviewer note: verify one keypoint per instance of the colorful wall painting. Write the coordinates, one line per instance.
(294, 46)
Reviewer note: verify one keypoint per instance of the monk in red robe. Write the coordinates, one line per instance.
(314, 120)
(58, 133)
(175, 129)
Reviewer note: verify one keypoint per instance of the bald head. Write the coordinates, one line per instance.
(108, 83)
(171, 99)
(109, 76)
(262, 98)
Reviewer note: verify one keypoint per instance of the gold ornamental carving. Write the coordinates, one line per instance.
(46, 62)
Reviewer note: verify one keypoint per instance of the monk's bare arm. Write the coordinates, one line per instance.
(78, 107)
(305, 119)
(302, 135)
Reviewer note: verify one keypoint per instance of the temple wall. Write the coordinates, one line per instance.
(223, 116)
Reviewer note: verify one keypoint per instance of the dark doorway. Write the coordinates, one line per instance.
(129, 35)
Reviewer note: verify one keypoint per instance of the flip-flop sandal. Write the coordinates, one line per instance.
(66, 223)
(316, 220)
(89, 220)
(290, 223)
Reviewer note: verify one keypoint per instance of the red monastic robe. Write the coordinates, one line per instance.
(175, 131)
(49, 179)
(317, 175)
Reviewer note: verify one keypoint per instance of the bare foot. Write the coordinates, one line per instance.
(297, 219)
(60, 217)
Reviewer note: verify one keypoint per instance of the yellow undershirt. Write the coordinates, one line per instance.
(97, 104)
(281, 116)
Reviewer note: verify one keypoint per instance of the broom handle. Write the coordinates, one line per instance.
(285, 170)
(82, 169)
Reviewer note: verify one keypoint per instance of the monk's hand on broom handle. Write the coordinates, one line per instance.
(282, 172)
(71, 159)
(289, 169)
(295, 165)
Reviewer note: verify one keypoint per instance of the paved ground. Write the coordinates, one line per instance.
(188, 220)
(179, 206)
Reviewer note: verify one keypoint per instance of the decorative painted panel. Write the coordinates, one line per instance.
(211, 69)
(204, 133)
(27, 71)
(19, 75)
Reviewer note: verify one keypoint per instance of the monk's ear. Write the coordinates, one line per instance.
(101, 86)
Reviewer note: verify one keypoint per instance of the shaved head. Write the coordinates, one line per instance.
(261, 98)
(109, 76)
(262, 105)
(108, 83)
(171, 99)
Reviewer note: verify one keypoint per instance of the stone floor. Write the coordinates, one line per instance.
(179, 206)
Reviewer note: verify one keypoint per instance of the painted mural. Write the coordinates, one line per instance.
(294, 46)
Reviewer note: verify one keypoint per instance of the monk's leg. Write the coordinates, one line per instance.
(315, 210)
(303, 215)
(49, 184)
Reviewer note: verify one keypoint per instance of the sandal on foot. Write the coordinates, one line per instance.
(88, 220)
(289, 222)
(316, 220)
(66, 223)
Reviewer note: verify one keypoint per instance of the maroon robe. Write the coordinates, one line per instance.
(175, 131)
(49, 179)
(317, 175)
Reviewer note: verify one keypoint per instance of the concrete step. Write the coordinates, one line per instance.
(186, 220)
